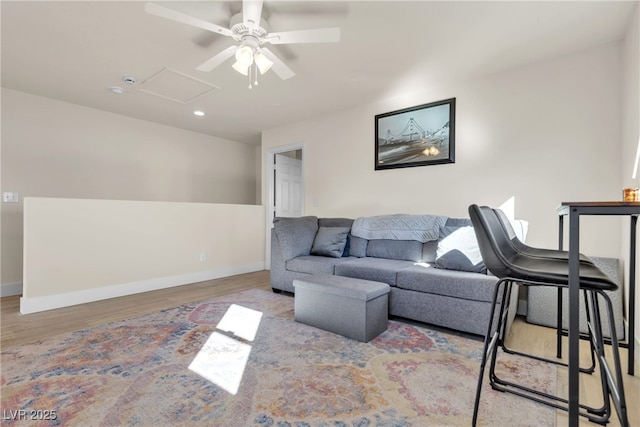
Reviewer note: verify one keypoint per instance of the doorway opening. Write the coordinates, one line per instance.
(285, 186)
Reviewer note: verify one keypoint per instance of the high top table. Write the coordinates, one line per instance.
(574, 210)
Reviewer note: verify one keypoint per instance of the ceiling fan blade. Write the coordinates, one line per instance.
(320, 35)
(251, 12)
(279, 67)
(164, 12)
(218, 59)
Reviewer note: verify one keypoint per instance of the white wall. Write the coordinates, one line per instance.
(56, 149)
(545, 133)
(80, 250)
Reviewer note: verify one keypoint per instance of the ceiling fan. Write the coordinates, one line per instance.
(249, 29)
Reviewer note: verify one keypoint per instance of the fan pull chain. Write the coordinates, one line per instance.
(255, 71)
(253, 68)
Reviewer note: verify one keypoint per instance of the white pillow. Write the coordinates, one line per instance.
(458, 250)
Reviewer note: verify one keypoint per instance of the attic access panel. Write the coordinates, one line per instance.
(176, 86)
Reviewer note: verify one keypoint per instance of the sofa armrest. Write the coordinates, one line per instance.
(277, 263)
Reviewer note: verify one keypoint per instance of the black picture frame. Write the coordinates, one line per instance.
(417, 136)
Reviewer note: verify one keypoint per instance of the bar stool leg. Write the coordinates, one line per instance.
(615, 385)
(597, 415)
(490, 345)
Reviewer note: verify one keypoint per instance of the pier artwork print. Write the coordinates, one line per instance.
(416, 136)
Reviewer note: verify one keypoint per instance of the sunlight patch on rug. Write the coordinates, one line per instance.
(241, 321)
(222, 359)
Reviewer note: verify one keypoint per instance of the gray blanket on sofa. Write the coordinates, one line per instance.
(422, 228)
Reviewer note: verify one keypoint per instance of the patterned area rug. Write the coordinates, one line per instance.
(241, 360)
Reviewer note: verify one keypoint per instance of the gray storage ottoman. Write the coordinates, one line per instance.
(355, 308)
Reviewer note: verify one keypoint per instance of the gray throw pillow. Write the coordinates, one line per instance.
(339, 222)
(458, 250)
(295, 235)
(330, 241)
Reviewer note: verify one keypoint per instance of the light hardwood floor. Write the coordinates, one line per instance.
(18, 329)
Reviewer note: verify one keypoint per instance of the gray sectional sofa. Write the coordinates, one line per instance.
(438, 281)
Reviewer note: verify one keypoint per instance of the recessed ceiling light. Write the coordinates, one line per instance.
(116, 90)
(199, 113)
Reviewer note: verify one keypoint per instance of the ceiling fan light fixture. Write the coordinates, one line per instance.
(264, 64)
(251, 31)
(241, 68)
(244, 56)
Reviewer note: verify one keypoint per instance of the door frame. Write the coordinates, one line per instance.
(269, 180)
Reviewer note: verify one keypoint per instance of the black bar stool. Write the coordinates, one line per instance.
(512, 266)
(520, 247)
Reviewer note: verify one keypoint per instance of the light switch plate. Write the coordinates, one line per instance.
(10, 197)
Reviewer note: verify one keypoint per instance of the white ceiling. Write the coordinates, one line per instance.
(74, 51)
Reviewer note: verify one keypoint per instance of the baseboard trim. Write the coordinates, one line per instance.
(10, 289)
(50, 302)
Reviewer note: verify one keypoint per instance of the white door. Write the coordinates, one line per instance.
(288, 186)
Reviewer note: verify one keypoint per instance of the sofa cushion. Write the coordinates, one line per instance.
(458, 250)
(457, 284)
(335, 222)
(295, 235)
(375, 269)
(408, 250)
(357, 246)
(330, 241)
(311, 264)
(429, 250)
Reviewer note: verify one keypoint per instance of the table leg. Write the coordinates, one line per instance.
(559, 297)
(574, 316)
(632, 294)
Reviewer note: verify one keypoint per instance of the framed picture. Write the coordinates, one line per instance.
(417, 136)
